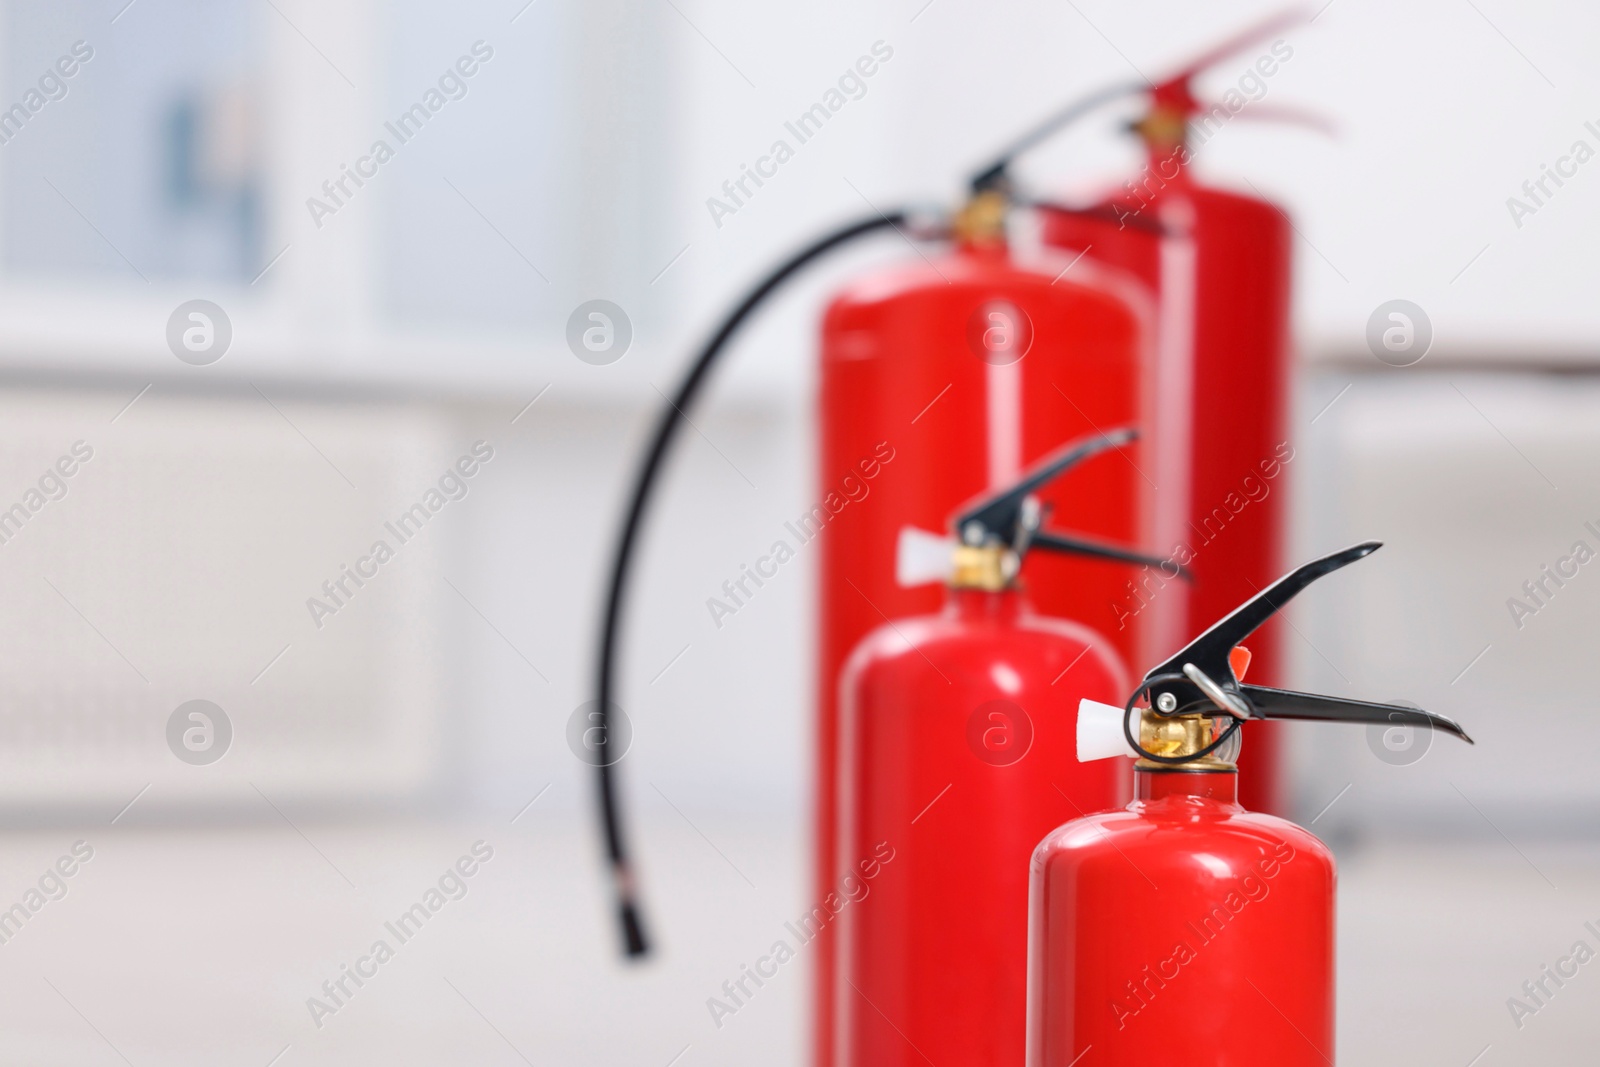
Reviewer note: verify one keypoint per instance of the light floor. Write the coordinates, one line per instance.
(201, 946)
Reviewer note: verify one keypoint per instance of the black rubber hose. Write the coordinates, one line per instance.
(644, 483)
(996, 173)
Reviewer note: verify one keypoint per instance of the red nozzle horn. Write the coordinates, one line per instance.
(1288, 116)
(1174, 90)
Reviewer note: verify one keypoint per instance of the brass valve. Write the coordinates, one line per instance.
(1163, 127)
(992, 567)
(1183, 735)
(982, 219)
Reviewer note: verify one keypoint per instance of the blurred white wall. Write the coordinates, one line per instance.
(1439, 113)
(578, 165)
(162, 549)
(1485, 490)
(430, 311)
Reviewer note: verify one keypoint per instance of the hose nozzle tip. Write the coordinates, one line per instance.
(633, 930)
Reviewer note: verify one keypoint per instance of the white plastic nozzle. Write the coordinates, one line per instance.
(1100, 732)
(922, 557)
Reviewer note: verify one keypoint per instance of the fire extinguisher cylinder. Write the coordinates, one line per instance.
(956, 755)
(1185, 913)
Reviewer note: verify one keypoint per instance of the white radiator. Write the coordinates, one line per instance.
(175, 562)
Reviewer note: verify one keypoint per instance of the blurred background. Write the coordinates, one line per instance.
(362, 345)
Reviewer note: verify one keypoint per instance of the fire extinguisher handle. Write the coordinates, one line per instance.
(999, 516)
(1078, 545)
(1202, 674)
(1210, 650)
(1287, 704)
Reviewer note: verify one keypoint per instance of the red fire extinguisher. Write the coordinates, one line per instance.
(965, 367)
(974, 342)
(956, 735)
(1219, 270)
(1186, 921)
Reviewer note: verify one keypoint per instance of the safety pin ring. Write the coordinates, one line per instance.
(1230, 703)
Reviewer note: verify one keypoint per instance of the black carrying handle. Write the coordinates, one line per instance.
(1000, 512)
(996, 174)
(1078, 545)
(1313, 707)
(1210, 650)
(1208, 656)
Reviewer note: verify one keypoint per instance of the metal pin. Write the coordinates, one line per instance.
(1228, 702)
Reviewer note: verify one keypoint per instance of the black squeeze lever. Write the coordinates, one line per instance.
(1013, 515)
(1202, 674)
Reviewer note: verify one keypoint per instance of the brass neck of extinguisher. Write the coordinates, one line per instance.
(988, 567)
(1175, 736)
(1163, 128)
(981, 222)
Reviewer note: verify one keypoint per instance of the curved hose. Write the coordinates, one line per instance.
(644, 482)
(996, 173)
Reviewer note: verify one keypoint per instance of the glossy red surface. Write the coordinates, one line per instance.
(1233, 515)
(958, 738)
(901, 371)
(1182, 930)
